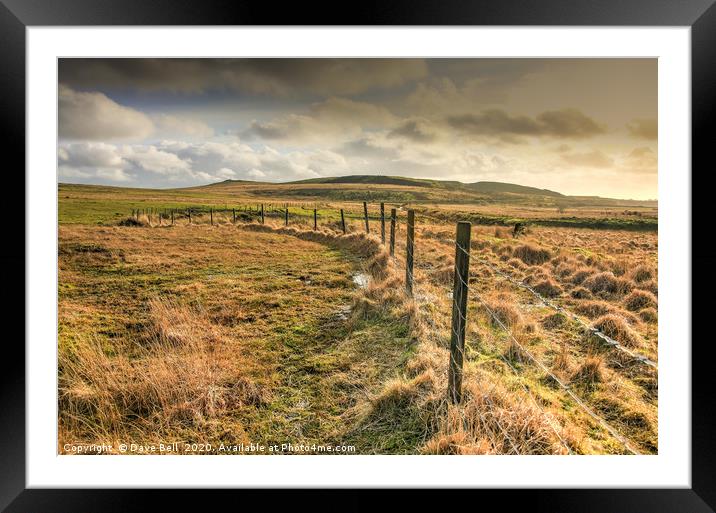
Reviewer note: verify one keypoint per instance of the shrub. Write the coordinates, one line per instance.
(532, 255)
(639, 299)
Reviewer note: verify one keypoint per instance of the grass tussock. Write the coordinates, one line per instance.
(555, 321)
(648, 315)
(183, 377)
(532, 255)
(639, 299)
(580, 275)
(605, 283)
(617, 328)
(593, 309)
(132, 221)
(581, 293)
(492, 420)
(548, 288)
(642, 273)
(505, 311)
(590, 372)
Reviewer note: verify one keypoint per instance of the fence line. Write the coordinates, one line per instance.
(546, 370)
(591, 329)
(461, 297)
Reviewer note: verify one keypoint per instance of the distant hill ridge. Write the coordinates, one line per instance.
(483, 187)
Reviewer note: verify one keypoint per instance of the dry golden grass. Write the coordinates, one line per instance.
(382, 371)
(639, 299)
(182, 377)
(616, 328)
(532, 255)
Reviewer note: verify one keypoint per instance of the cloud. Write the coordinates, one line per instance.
(90, 155)
(276, 77)
(368, 148)
(173, 126)
(225, 172)
(94, 116)
(331, 119)
(183, 163)
(641, 160)
(569, 123)
(644, 129)
(413, 130)
(565, 123)
(155, 160)
(594, 158)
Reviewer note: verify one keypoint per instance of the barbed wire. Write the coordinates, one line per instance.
(546, 370)
(586, 326)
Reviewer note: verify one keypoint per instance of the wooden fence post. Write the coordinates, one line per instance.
(188, 213)
(172, 217)
(343, 222)
(459, 311)
(211, 216)
(409, 253)
(392, 232)
(315, 220)
(382, 223)
(365, 214)
(286, 214)
(233, 213)
(262, 213)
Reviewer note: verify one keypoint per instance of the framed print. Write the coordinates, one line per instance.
(434, 246)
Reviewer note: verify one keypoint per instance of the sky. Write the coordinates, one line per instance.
(577, 126)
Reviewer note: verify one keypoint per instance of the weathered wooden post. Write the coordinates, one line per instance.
(343, 222)
(409, 253)
(392, 231)
(459, 311)
(172, 217)
(286, 214)
(262, 213)
(211, 216)
(365, 214)
(315, 220)
(233, 213)
(382, 223)
(188, 213)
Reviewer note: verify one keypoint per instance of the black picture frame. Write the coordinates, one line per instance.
(16, 15)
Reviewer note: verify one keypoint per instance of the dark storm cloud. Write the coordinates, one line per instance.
(281, 77)
(412, 130)
(366, 148)
(565, 123)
